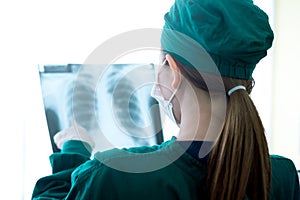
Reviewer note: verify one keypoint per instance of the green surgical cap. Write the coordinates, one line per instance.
(217, 36)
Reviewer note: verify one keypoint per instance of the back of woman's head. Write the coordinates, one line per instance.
(226, 38)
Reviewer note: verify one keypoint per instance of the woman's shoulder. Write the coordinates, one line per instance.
(282, 163)
(279, 157)
(142, 159)
(283, 168)
(285, 181)
(157, 166)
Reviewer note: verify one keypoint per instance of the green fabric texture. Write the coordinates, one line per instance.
(236, 35)
(183, 179)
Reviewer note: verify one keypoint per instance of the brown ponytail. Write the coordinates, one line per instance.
(239, 163)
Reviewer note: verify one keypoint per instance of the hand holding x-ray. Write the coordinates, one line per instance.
(75, 132)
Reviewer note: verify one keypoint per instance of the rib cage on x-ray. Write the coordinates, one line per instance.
(83, 100)
(127, 104)
(112, 99)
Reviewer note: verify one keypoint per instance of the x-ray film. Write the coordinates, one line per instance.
(112, 102)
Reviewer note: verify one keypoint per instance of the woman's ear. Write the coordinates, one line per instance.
(175, 70)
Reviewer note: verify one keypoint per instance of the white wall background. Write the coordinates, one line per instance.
(66, 31)
(286, 85)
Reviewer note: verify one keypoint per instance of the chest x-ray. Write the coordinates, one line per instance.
(112, 102)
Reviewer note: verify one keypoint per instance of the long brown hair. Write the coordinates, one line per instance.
(239, 163)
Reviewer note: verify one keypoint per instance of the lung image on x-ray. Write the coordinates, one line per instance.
(130, 101)
(112, 102)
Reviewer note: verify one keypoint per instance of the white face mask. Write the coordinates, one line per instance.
(165, 104)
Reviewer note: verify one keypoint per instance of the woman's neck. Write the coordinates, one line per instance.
(199, 120)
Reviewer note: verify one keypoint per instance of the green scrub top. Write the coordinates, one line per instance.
(142, 173)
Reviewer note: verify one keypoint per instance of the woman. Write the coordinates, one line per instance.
(210, 49)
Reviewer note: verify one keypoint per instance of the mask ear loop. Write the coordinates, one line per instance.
(172, 96)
